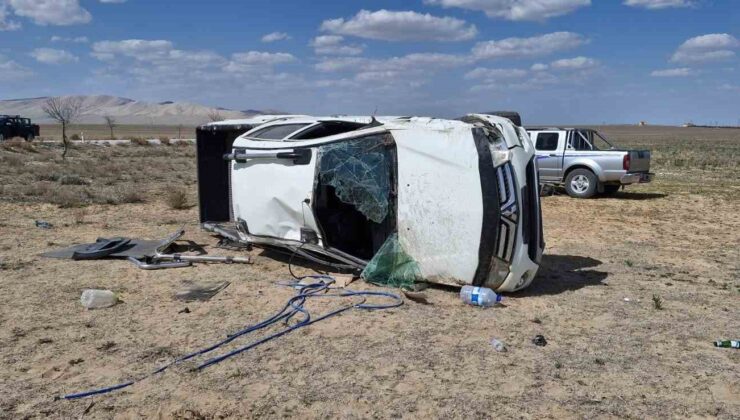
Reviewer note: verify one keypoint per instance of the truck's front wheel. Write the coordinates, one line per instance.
(581, 183)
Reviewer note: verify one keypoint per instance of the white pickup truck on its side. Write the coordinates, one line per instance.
(585, 162)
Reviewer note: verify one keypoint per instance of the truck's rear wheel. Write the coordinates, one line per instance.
(581, 183)
(2, 137)
(611, 189)
(29, 137)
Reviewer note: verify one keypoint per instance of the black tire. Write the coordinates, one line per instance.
(29, 137)
(611, 189)
(2, 137)
(581, 183)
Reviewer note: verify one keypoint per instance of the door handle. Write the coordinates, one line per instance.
(553, 155)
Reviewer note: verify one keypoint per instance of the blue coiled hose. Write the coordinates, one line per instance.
(293, 308)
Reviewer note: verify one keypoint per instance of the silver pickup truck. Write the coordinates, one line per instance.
(585, 162)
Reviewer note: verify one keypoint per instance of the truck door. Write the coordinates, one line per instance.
(341, 190)
(550, 146)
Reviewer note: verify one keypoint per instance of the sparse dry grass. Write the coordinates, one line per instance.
(92, 174)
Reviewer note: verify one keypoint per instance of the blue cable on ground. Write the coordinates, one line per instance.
(294, 307)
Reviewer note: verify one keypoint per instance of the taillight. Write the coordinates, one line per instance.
(626, 162)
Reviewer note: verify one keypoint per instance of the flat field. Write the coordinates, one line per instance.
(632, 292)
(124, 131)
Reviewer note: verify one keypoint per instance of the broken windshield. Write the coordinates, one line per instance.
(358, 170)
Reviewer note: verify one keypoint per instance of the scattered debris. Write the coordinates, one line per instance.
(43, 224)
(732, 344)
(293, 310)
(499, 345)
(186, 310)
(539, 340)
(203, 291)
(627, 300)
(479, 296)
(98, 299)
(145, 254)
(45, 340)
(76, 361)
(417, 297)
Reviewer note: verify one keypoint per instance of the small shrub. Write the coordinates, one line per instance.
(177, 199)
(67, 198)
(52, 177)
(75, 136)
(73, 180)
(657, 302)
(164, 140)
(629, 263)
(139, 141)
(11, 161)
(79, 216)
(131, 195)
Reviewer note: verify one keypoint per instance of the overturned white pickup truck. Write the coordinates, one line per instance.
(401, 199)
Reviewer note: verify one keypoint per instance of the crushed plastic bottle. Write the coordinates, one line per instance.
(731, 344)
(98, 299)
(479, 296)
(498, 345)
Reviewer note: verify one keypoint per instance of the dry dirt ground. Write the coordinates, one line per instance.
(610, 351)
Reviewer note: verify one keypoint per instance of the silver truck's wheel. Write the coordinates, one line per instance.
(2, 137)
(581, 183)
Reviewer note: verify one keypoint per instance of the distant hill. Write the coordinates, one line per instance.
(129, 111)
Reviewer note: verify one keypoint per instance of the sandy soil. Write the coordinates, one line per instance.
(610, 352)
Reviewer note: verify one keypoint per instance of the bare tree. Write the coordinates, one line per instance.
(111, 122)
(215, 115)
(65, 111)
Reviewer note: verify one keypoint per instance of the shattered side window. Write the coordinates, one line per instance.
(358, 170)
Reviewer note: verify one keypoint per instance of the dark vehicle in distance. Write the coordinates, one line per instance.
(16, 126)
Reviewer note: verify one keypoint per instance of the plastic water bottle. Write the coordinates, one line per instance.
(479, 296)
(732, 344)
(98, 299)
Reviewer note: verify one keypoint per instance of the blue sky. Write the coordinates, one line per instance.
(555, 61)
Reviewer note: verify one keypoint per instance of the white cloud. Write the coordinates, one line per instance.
(51, 12)
(577, 63)
(275, 36)
(516, 9)
(481, 73)
(12, 71)
(677, 72)
(113, 1)
(528, 47)
(158, 65)
(333, 45)
(417, 61)
(410, 70)
(5, 24)
(658, 4)
(247, 61)
(710, 47)
(78, 39)
(53, 56)
(389, 25)
(539, 67)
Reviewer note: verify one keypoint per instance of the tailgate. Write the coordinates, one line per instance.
(639, 161)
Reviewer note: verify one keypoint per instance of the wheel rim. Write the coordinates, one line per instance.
(580, 184)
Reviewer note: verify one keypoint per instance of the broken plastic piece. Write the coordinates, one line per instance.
(358, 171)
(392, 266)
